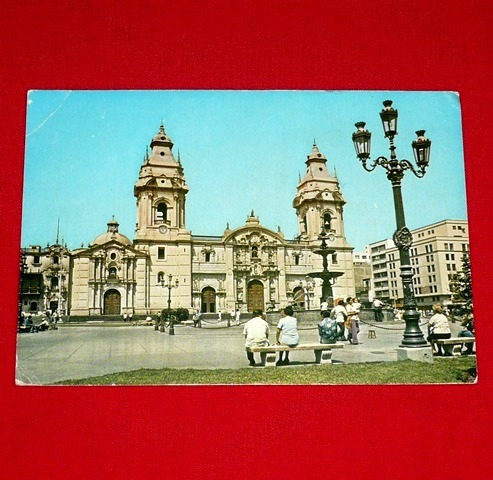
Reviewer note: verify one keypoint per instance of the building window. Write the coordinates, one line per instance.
(36, 260)
(254, 252)
(33, 307)
(54, 282)
(161, 253)
(296, 259)
(112, 273)
(161, 212)
(207, 256)
(160, 277)
(334, 258)
(56, 260)
(327, 221)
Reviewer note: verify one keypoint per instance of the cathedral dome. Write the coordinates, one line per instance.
(112, 234)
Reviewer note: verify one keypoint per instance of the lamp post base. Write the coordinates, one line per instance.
(417, 354)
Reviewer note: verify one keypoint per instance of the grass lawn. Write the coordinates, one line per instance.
(443, 370)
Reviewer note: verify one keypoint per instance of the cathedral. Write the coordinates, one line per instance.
(243, 268)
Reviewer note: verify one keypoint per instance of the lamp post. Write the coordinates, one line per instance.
(413, 336)
(169, 285)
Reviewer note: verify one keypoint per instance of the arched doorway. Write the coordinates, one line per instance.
(299, 297)
(208, 300)
(255, 295)
(112, 302)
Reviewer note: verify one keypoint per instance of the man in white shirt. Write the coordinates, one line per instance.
(377, 308)
(324, 306)
(339, 314)
(256, 333)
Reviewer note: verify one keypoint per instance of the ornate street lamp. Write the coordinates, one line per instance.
(413, 336)
(169, 285)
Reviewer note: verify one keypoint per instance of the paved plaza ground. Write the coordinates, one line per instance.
(74, 352)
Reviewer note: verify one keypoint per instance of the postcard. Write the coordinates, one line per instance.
(244, 237)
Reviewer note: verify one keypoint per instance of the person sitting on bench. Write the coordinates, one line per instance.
(287, 333)
(438, 328)
(467, 331)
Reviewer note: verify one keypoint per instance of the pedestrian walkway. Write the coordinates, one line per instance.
(80, 352)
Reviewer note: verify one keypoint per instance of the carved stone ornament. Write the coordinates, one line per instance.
(403, 238)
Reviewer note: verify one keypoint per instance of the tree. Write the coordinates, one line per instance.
(461, 287)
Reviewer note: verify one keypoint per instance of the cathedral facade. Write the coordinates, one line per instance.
(243, 268)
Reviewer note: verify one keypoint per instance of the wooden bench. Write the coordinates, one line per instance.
(323, 351)
(453, 346)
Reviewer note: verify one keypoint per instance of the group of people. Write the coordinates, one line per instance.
(344, 317)
(332, 327)
(257, 331)
(49, 322)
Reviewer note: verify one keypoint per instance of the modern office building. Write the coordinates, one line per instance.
(436, 255)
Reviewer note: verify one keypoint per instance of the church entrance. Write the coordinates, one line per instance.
(208, 300)
(299, 298)
(255, 295)
(112, 302)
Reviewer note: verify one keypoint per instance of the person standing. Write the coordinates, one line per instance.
(197, 321)
(438, 328)
(238, 313)
(232, 315)
(339, 314)
(287, 333)
(377, 308)
(324, 306)
(256, 333)
(219, 316)
(352, 322)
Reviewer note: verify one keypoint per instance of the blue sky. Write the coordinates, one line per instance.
(241, 150)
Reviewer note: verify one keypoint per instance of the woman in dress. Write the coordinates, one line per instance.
(287, 334)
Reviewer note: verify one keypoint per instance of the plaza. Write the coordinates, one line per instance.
(75, 352)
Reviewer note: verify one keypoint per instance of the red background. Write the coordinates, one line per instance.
(221, 432)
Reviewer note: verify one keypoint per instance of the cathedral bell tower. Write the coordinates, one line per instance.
(318, 201)
(160, 191)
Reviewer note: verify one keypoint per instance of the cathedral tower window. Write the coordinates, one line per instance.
(296, 258)
(56, 260)
(112, 273)
(305, 224)
(207, 256)
(327, 218)
(254, 252)
(161, 212)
